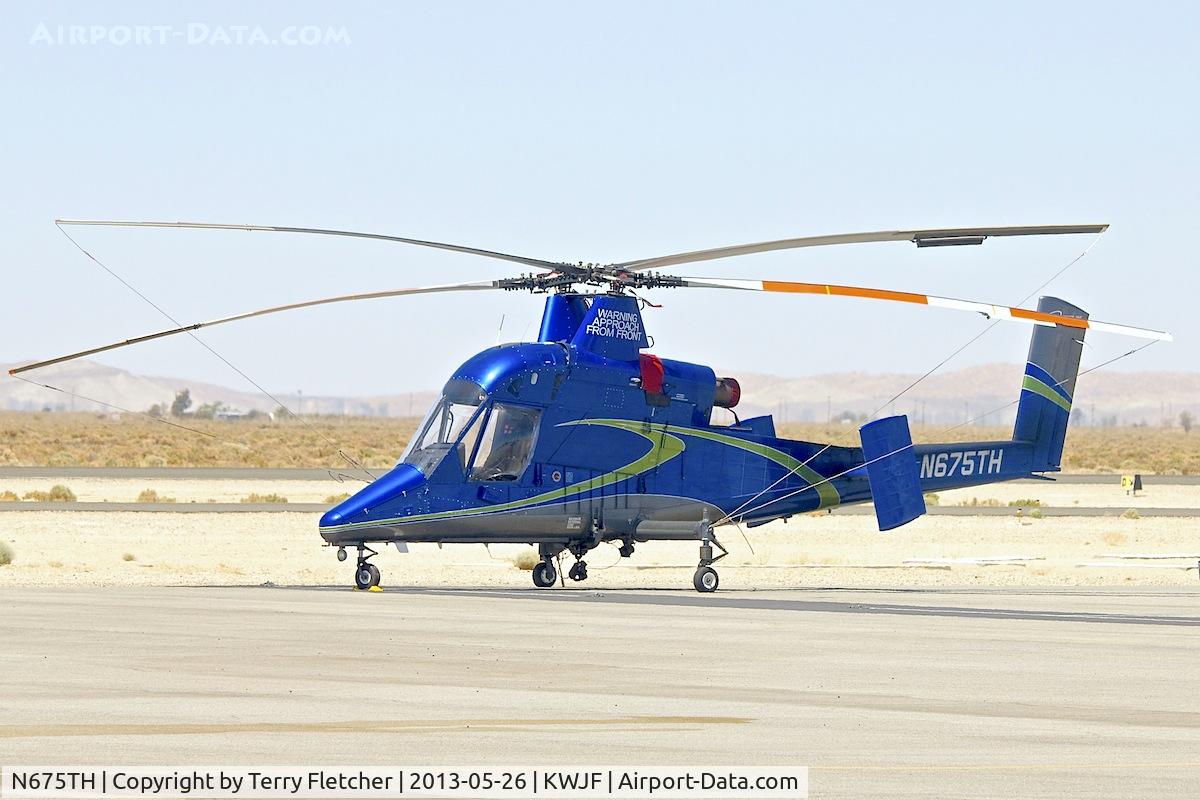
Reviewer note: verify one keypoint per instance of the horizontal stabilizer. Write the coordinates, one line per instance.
(892, 471)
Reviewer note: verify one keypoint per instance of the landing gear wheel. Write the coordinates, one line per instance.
(705, 579)
(578, 571)
(366, 576)
(544, 574)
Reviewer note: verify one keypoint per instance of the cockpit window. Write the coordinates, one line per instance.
(506, 446)
(453, 417)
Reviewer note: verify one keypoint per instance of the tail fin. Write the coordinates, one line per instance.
(1049, 386)
(892, 471)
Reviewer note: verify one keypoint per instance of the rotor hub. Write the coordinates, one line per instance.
(567, 276)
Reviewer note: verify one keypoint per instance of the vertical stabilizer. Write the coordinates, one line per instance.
(562, 317)
(892, 471)
(612, 328)
(1048, 387)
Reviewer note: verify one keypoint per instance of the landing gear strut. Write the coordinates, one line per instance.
(579, 568)
(706, 578)
(366, 575)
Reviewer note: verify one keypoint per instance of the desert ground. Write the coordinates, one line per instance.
(115, 548)
(131, 440)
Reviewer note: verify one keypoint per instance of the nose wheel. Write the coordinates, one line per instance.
(366, 574)
(578, 571)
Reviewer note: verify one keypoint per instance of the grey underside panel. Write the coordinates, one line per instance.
(552, 523)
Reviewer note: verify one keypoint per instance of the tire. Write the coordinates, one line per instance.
(366, 576)
(544, 574)
(706, 580)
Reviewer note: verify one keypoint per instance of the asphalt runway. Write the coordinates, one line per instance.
(974, 693)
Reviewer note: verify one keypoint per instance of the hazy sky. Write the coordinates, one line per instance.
(594, 132)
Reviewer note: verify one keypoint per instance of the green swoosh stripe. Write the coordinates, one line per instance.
(824, 489)
(663, 448)
(1041, 388)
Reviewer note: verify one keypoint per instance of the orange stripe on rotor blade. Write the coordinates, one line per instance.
(843, 291)
(1054, 319)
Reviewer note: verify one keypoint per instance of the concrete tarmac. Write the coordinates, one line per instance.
(965, 694)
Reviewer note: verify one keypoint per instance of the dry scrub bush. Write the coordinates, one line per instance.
(525, 560)
(254, 497)
(6, 554)
(57, 494)
(152, 496)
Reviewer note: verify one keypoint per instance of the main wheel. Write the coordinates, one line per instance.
(705, 579)
(544, 574)
(366, 576)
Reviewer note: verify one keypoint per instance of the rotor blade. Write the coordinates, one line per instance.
(987, 309)
(530, 262)
(453, 287)
(932, 237)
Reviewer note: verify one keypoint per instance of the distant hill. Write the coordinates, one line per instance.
(104, 384)
(1101, 397)
(1123, 398)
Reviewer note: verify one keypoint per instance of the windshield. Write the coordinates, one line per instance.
(448, 420)
(506, 445)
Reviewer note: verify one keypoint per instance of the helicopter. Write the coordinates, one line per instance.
(582, 437)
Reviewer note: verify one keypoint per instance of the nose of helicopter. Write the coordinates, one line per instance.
(373, 501)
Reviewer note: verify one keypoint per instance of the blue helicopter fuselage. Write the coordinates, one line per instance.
(571, 439)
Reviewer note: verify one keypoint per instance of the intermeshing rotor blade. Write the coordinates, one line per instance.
(452, 287)
(931, 237)
(530, 262)
(989, 310)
